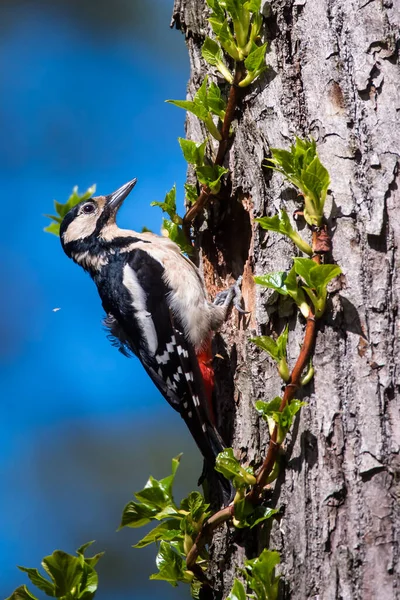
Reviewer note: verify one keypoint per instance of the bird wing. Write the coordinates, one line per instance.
(143, 320)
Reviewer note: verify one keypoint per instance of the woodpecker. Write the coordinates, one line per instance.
(156, 308)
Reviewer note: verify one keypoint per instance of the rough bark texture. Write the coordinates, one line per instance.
(333, 74)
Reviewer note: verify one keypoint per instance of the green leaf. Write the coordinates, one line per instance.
(270, 412)
(169, 204)
(168, 482)
(53, 228)
(268, 344)
(315, 276)
(193, 153)
(302, 167)
(237, 591)
(211, 52)
(281, 224)
(210, 175)
(216, 7)
(136, 515)
(191, 193)
(175, 233)
(171, 566)
(22, 593)
(216, 104)
(39, 581)
(275, 281)
(195, 505)
(168, 530)
(254, 6)
(197, 109)
(260, 575)
(227, 464)
(154, 494)
(65, 570)
(321, 275)
(256, 59)
(267, 409)
(261, 514)
(276, 349)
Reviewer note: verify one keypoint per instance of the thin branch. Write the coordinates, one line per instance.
(233, 101)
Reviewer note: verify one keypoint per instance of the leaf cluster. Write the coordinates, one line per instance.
(206, 103)
(281, 224)
(302, 167)
(178, 525)
(70, 577)
(260, 577)
(313, 283)
(208, 174)
(271, 413)
(276, 349)
(62, 209)
(172, 226)
(236, 25)
(246, 515)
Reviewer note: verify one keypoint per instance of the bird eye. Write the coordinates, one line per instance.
(88, 208)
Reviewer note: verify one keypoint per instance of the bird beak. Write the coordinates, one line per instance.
(115, 200)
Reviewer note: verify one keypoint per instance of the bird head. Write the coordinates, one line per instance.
(89, 222)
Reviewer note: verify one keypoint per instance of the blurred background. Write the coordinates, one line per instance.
(83, 84)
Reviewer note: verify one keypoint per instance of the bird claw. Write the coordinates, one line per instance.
(233, 295)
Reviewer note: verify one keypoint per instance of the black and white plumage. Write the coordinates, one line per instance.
(155, 303)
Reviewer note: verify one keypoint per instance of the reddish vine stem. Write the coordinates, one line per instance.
(254, 496)
(205, 192)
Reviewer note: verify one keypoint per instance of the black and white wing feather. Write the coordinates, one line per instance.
(143, 322)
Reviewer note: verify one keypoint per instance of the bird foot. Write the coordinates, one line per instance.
(233, 295)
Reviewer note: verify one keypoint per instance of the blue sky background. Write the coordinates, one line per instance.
(82, 89)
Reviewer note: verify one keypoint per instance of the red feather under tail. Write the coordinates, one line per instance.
(204, 356)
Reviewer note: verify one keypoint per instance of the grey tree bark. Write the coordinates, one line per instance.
(333, 74)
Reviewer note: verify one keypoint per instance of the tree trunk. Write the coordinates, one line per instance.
(333, 74)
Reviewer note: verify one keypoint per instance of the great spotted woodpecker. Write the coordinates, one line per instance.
(156, 307)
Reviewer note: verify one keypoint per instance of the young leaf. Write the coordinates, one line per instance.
(193, 153)
(154, 494)
(39, 581)
(210, 175)
(169, 204)
(171, 566)
(254, 6)
(321, 275)
(175, 233)
(53, 228)
(276, 349)
(237, 591)
(168, 530)
(22, 593)
(211, 52)
(302, 167)
(303, 267)
(191, 193)
(268, 344)
(260, 575)
(215, 103)
(275, 281)
(136, 515)
(195, 505)
(227, 464)
(197, 109)
(281, 224)
(256, 59)
(65, 570)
